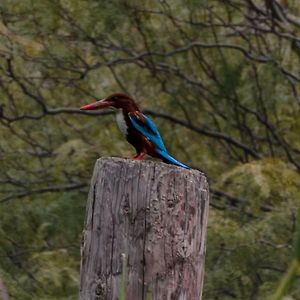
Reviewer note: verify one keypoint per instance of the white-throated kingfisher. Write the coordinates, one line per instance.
(138, 129)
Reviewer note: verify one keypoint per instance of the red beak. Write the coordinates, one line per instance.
(97, 105)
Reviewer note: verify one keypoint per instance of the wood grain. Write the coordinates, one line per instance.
(145, 232)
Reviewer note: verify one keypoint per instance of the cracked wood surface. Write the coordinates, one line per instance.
(145, 232)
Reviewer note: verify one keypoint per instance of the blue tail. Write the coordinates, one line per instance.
(170, 160)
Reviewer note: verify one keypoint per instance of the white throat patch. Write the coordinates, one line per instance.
(121, 122)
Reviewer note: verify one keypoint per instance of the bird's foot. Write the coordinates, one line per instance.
(139, 156)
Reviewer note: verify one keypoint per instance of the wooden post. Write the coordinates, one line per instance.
(145, 232)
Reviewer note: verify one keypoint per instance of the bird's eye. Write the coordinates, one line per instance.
(114, 98)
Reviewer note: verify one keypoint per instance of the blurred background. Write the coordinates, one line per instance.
(220, 79)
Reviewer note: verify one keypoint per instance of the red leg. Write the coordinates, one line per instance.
(139, 156)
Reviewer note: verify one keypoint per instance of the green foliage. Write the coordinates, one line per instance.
(270, 182)
(297, 239)
(221, 81)
(293, 270)
(40, 256)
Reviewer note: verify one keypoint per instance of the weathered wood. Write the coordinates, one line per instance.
(145, 232)
(4, 295)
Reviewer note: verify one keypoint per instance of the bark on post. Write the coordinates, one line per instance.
(145, 232)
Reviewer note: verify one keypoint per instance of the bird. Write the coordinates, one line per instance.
(137, 128)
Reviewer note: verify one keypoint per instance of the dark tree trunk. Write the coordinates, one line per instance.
(145, 232)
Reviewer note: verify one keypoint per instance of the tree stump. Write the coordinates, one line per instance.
(145, 232)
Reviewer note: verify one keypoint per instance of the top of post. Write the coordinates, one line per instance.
(145, 164)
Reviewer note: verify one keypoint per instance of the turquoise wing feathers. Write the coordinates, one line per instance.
(171, 160)
(147, 128)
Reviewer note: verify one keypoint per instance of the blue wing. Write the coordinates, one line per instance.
(147, 128)
(170, 159)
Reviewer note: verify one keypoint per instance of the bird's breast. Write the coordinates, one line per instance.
(122, 123)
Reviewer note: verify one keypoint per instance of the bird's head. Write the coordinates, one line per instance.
(117, 100)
